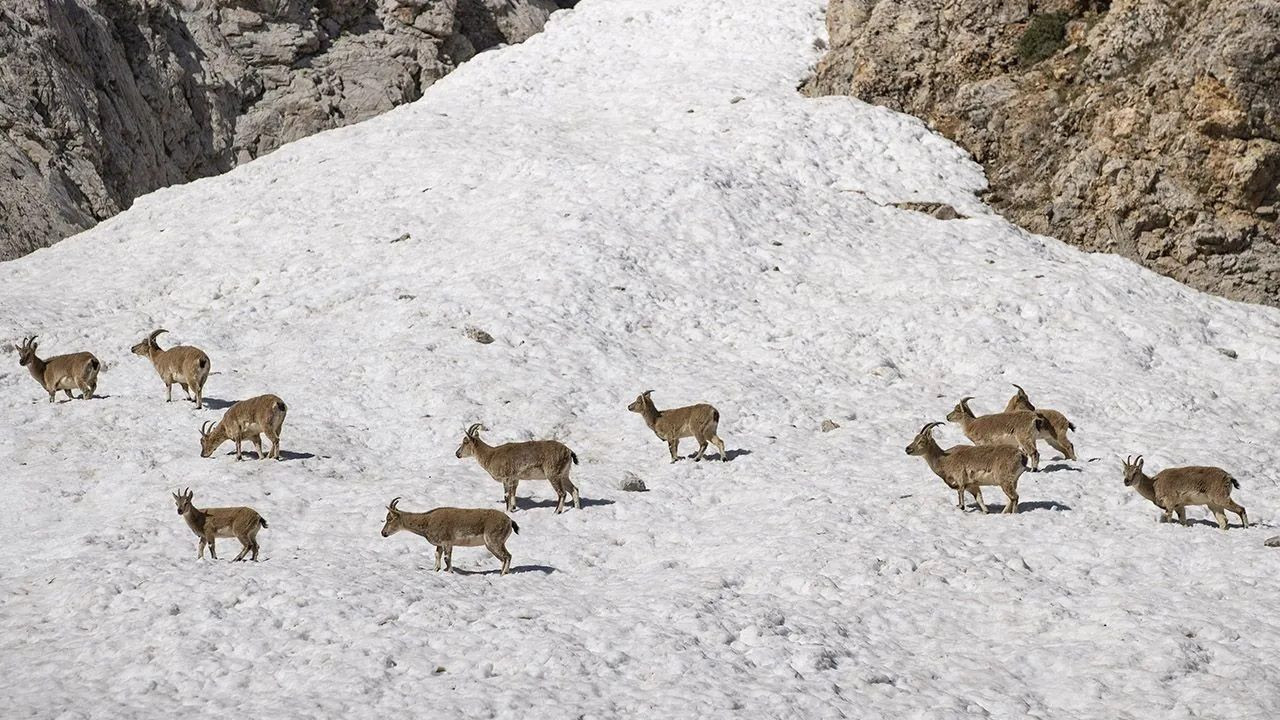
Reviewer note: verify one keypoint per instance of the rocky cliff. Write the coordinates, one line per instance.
(1148, 128)
(104, 100)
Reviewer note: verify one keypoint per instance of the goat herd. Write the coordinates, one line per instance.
(1005, 448)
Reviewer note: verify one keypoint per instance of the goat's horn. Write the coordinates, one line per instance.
(153, 335)
(392, 506)
(647, 393)
(475, 427)
(206, 427)
(929, 426)
(1019, 388)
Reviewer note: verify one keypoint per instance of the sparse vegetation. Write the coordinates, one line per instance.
(1044, 35)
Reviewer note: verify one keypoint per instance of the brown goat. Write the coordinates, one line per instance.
(61, 372)
(1058, 423)
(1019, 429)
(188, 366)
(697, 421)
(447, 527)
(510, 463)
(1172, 489)
(968, 467)
(247, 420)
(241, 523)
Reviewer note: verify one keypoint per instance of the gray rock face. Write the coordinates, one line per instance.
(105, 100)
(1150, 128)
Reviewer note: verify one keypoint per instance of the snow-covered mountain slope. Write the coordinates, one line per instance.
(635, 199)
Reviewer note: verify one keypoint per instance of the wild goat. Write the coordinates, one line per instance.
(1172, 489)
(512, 462)
(61, 372)
(247, 420)
(1018, 429)
(188, 366)
(968, 467)
(446, 527)
(697, 421)
(241, 523)
(1058, 423)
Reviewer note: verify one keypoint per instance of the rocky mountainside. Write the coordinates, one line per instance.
(105, 100)
(1148, 128)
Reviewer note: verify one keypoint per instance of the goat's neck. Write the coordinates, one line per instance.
(36, 367)
(933, 455)
(195, 518)
(153, 354)
(483, 450)
(415, 523)
(1146, 487)
(650, 413)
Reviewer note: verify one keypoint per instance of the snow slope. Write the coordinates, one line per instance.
(635, 199)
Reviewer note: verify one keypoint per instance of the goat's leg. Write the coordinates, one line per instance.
(1220, 515)
(200, 555)
(1012, 493)
(1239, 510)
(573, 491)
(439, 556)
(499, 551)
(213, 549)
(448, 558)
(238, 441)
(68, 392)
(273, 434)
(673, 446)
(257, 445)
(509, 493)
(960, 497)
(715, 440)
(1033, 455)
(168, 391)
(976, 490)
(702, 448)
(558, 485)
(245, 545)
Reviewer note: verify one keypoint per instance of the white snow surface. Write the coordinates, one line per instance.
(637, 198)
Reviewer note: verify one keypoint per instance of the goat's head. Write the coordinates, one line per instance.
(146, 347)
(642, 400)
(209, 440)
(392, 525)
(1132, 471)
(961, 411)
(27, 351)
(183, 499)
(923, 440)
(1020, 401)
(469, 440)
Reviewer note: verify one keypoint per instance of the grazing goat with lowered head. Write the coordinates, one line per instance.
(510, 463)
(247, 420)
(61, 372)
(697, 421)
(1058, 423)
(446, 527)
(968, 467)
(209, 524)
(188, 366)
(1172, 489)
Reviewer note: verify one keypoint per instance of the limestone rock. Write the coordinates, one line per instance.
(1153, 131)
(101, 102)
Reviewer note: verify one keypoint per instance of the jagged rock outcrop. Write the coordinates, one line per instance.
(1148, 128)
(105, 100)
